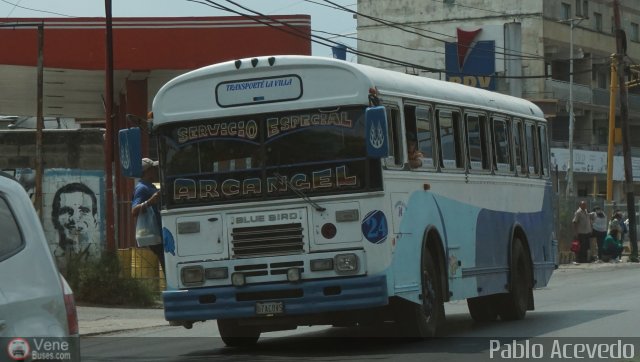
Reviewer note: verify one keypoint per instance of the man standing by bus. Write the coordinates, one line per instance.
(146, 195)
(582, 231)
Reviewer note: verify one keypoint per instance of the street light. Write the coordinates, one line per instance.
(572, 23)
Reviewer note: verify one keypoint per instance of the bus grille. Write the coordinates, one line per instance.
(267, 240)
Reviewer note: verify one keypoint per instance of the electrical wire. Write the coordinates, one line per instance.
(405, 28)
(16, 5)
(330, 43)
(14, 8)
(323, 41)
(287, 28)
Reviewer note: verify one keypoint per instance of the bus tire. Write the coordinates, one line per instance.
(483, 309)
(235, 335)
(425, 319)
(515, 303)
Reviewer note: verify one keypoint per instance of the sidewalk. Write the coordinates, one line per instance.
(95, 320)
(101, 320)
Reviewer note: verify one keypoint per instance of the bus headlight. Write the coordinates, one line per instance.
(346, 263)
(192, 275)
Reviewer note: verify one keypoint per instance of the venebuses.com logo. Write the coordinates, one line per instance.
(41, 348)
(18, 349)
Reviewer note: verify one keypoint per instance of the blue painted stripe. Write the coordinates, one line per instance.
(355, 293)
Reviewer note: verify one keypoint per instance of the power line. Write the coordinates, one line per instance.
(403, 27)
(378, 42)
(360, 39)
(473, 8)
(325, 5)
(358, 52)
(13, 8)
(523, 55)
(323, 41)
(327, 42)
(16, 5)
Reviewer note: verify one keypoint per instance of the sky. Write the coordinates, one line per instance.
(323, 18)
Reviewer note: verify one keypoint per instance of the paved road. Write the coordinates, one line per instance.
(581, 301)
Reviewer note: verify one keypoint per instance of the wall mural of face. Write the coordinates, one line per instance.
(74, 215)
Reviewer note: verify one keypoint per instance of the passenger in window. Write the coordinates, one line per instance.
(415, 155)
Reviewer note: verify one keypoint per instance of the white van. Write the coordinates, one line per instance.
(35, 300)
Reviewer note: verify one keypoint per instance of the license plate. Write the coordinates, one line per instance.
(269, 307)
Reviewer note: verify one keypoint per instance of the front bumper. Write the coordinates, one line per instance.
(305, 298)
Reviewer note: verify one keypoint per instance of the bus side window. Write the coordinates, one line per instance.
(418, 124)
(532, 149)
(502, 156)
(410, 131)
(476, 138)
(395, 144)
(449, 129)
(544, 151)
(521, 162)
(425, 135)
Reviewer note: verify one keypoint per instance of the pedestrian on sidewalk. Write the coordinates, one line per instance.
(582, 231)
(599, 222)
(146, 195)
(612, 247)
(617, 223)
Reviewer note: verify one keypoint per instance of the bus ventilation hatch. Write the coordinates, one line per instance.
(267, 240)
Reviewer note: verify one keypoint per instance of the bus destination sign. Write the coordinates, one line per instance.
(258, 90)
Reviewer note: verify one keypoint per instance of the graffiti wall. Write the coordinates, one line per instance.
(73, 209)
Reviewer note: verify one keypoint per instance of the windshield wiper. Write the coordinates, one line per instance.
(299, 192)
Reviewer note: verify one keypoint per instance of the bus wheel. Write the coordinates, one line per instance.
(514, 304)
(235, 335)
(423, 320)
(483, 309)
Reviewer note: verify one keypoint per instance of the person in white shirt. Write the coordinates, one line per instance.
(599, 224)
(582, 231)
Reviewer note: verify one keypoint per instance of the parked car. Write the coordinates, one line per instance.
(35, 300)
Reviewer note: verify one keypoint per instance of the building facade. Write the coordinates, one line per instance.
(147, 52)
(526, 47)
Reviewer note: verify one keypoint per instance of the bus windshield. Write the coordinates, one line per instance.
(317, 152)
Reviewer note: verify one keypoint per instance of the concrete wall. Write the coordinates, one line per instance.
(73, 185)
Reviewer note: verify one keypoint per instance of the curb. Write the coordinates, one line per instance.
(100, 333)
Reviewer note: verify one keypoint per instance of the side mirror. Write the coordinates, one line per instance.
(130, 145)
(376, 132)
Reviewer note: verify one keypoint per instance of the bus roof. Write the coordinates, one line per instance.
(314, 82)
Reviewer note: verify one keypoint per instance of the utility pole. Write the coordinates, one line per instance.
(624, 117)
(572, 24)
(612, 125)
(108, 148)
(39, 123)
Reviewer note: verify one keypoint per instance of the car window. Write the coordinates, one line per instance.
(11, 240)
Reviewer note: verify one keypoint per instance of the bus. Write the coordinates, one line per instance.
(288, 199)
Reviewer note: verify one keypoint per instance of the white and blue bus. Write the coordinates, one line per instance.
(288, 198)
